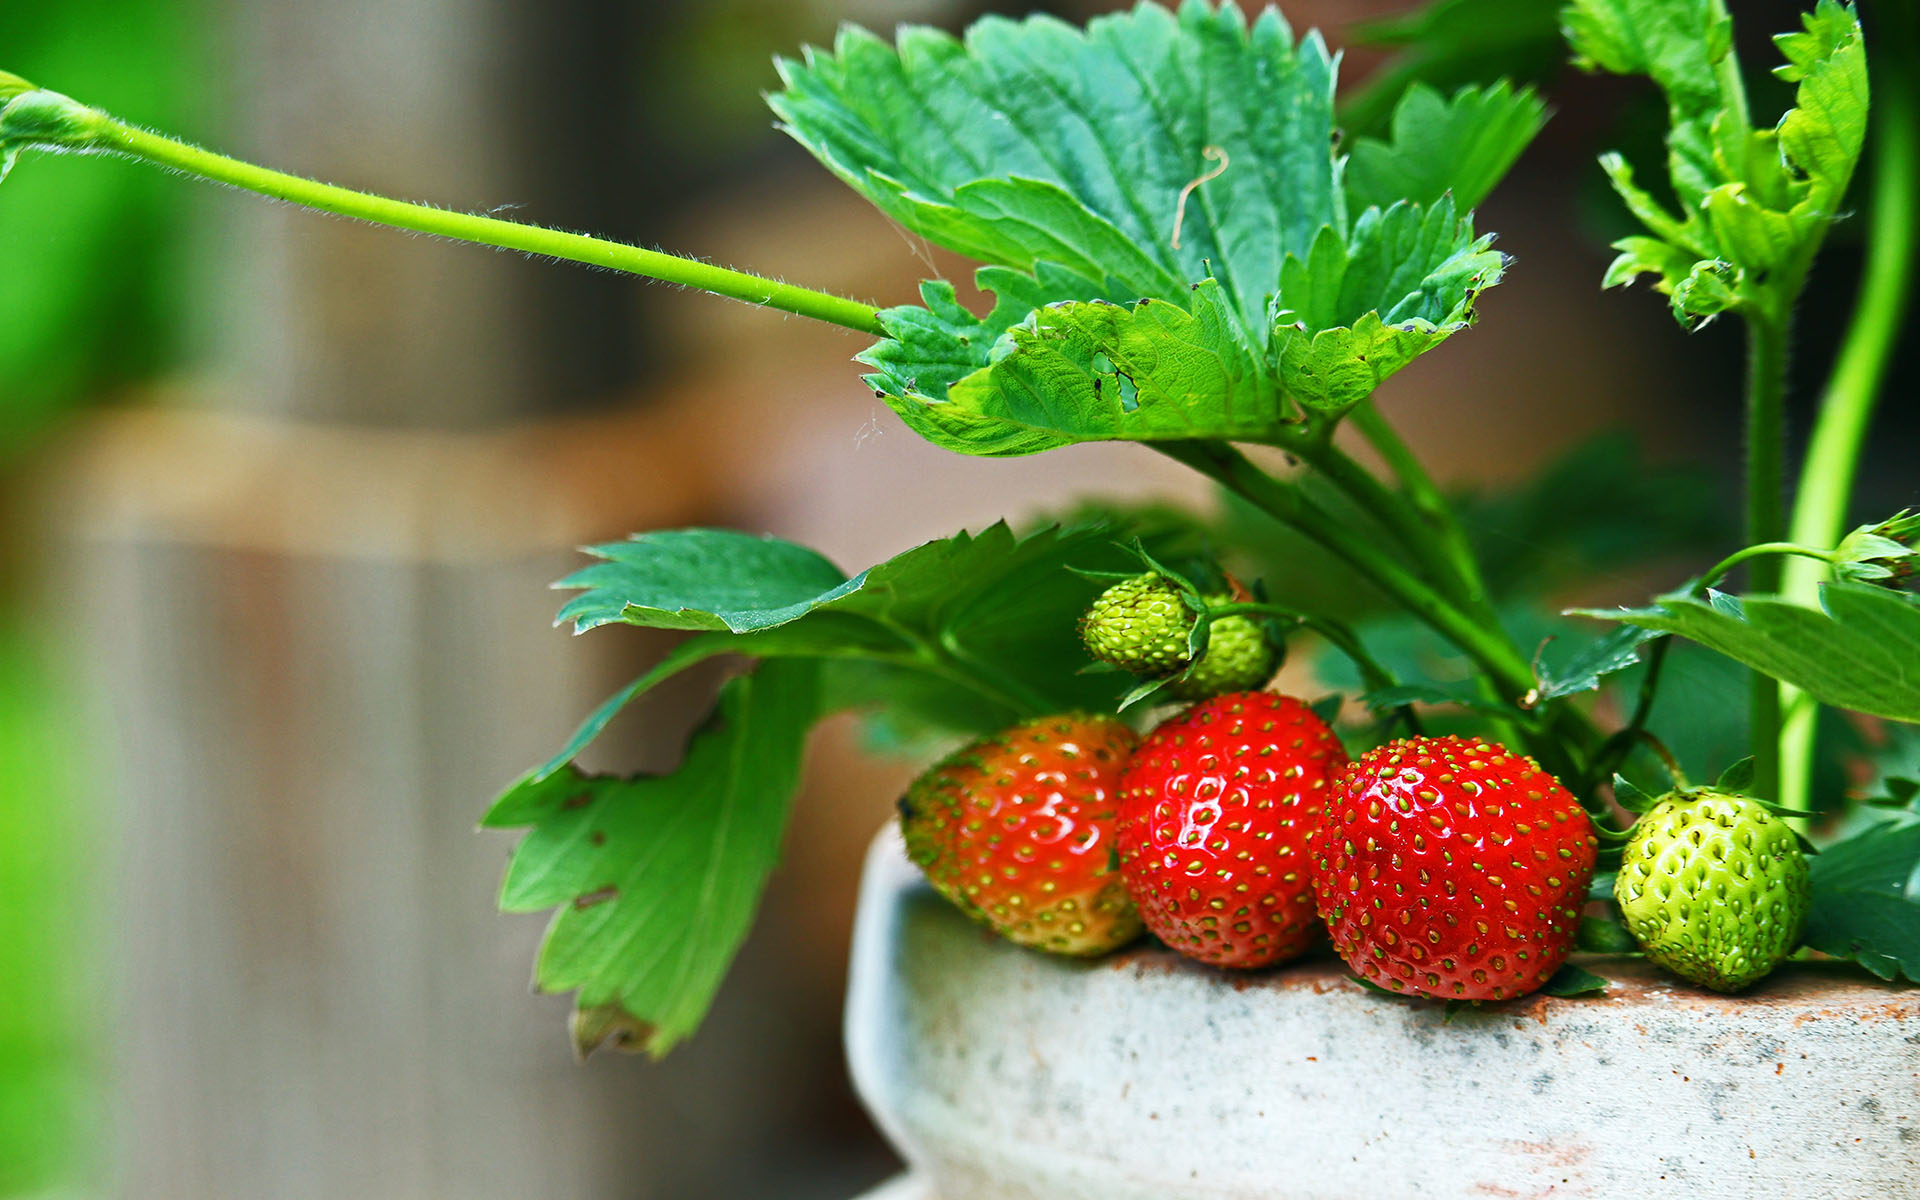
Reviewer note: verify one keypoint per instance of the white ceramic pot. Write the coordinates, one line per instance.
(1004, 1074)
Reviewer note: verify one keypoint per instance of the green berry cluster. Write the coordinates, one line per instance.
(1143, 624)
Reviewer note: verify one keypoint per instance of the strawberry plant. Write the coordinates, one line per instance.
(1188, 247)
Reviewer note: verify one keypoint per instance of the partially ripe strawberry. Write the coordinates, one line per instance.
(1452, 867)
(1215, 813)
(1017, 830)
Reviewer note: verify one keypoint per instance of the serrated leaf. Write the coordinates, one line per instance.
(1685, 47)
(1602, 886)
(656, 878)
(1460, 145)
(1604, 656)
(1866, 900)
(1117, 117)
(1182, 160)
(1001, 599)
(1859, 651)
(1570, 982)
(700, 579)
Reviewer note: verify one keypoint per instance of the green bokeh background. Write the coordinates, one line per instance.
(85, 310)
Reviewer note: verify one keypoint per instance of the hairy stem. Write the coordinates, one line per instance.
(1488, 648)
(70, 126)
(1776, 550)
(1766, 516)
(1821, 506)
(1429, 502)
(1394, 514)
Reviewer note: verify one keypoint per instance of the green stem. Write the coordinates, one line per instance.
(1429, 502)
(1821, 506)
(1766, 515)
(102, 133)
(1392, 511)
(1763, 550)
(1488, 648)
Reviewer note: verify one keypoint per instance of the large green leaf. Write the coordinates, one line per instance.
(1859, 651)
(1866, 900)
(1184, 160)
(1755, 204)
(1116, 118)
(656, 879)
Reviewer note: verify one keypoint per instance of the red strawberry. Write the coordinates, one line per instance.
(1215, 813)
(1017, 829)
(1453, 868)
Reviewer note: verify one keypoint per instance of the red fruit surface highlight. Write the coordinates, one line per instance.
(1017, 830)
(1215, 815)
(1453, 868)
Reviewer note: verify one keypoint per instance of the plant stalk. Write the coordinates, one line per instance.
(1825, 493)
(1429, 502)
(1766, 516)
(1489, 649)
(88, 130)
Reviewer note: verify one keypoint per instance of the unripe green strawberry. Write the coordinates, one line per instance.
(1238, 658)
(1140, 625)
(1714, 888)
(1017, 830)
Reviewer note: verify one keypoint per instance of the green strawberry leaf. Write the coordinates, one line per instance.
(1571, 982)
(1755, 204)
(1462, 145)
(1859, 651)
(1159, 204)
(1033, 142)
(1604, 656)
(699, 579)
(1449, 43)
(656, 879)
(991, 614)
(1866, 900)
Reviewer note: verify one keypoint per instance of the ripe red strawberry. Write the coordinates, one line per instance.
(1017, 830)
(1452, 868)
(1215, 813)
